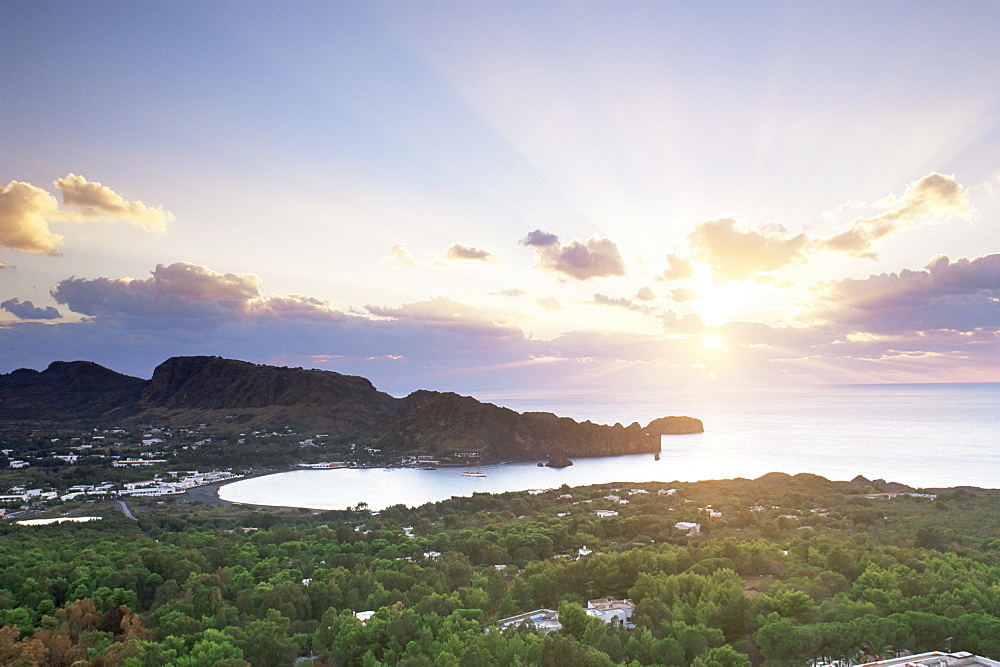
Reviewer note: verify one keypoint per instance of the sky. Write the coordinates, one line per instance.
(505, 196)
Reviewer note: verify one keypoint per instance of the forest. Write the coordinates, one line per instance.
(786, 570)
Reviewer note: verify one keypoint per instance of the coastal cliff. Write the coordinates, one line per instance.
(225, 394)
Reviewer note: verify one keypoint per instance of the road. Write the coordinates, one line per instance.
(126, 511)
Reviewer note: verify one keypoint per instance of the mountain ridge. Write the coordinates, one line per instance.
(229, 394)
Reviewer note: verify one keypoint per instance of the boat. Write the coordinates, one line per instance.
(474, 473)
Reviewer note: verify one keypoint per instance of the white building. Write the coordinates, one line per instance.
(936, 659)
(136, 463)
(543, 620)
(611, 610)
(689, 527)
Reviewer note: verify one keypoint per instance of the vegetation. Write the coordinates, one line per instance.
(789, 570)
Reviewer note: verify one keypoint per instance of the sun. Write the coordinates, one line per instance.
(719, 303)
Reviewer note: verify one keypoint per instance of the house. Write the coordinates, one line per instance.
(604, 514)
(611, 610)
(543, 620)
(936, 659)
(689, 527)
(136, 463)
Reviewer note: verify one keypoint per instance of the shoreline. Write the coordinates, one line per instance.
(208, 494)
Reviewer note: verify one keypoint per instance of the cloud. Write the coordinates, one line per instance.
(457, 251)
(736, 254)
(678, 268)
(93, 200)
(510, 292)
(539, 239)
(597, 258)
(26, 210)
(27, 310)
(683, 294)
(186, 291)
(549, 303)
(688, 324)
(444, 310)
(620, 302)
(645, 294)
(741, 254)
(398, 254)
(963, 296)
(933, 196)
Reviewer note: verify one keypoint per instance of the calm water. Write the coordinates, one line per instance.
(922, 435)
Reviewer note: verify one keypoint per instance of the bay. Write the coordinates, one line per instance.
(935, 435)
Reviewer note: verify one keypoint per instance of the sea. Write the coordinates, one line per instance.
(923, 435)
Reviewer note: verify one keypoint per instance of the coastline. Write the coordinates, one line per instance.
(208, 494)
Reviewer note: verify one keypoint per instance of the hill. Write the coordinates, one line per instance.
(229, 395)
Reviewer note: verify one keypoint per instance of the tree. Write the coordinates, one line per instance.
(722, 656)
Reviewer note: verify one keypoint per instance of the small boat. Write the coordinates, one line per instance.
(468, 472)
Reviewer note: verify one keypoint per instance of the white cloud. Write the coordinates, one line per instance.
(27, 210)
(738, 254)
(933, 196)
(94, 200)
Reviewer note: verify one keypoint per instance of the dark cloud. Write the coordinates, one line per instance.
(737, 254)
(963, 295)
(27, 310)
(678, 268)
(184, 291)
(597, 258)
(539, 239)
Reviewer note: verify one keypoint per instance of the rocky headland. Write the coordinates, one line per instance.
(230, 395)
